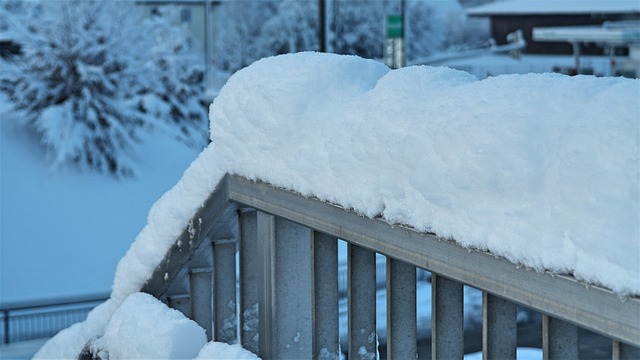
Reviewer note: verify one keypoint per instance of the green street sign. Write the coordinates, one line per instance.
(394, 26)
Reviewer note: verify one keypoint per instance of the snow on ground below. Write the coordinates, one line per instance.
(63, 233)
(540, 169)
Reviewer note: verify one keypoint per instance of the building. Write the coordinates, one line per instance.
(511, 15)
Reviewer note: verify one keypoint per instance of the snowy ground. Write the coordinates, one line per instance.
(63, 233)
(492, 164)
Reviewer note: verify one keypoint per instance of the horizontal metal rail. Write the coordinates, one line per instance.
(256, 215)
(36, 319)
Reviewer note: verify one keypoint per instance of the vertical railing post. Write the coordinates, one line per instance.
(401, 310)
(447, 327)
(559, 339)
(181, 303)
(266, 227)
(622, 351)
(284, 252)
(362, 302)
(224, 282)
(499, 328)
(7, 326)
(325, 298)
(248, 248)
(200, 293)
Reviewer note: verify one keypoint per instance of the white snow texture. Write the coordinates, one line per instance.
(541, 169)
(145, 328)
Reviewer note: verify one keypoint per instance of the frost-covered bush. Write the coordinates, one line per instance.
(94, 76)
(249, 30)
(180, 97)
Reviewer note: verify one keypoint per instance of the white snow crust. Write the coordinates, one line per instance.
(540, 169)
(217, 350)
(145, 328)
(142, 327)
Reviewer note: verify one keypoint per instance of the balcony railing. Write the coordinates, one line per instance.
(44, 318)
(288, 298)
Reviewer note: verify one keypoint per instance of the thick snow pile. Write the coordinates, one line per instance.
(142, 327)
(540, 169)
(216, 350)
(145, 328)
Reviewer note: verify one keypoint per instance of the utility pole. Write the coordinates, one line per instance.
(208, 43)
(322, 25)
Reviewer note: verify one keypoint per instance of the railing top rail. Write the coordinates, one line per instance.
(560, 296)
(59, 301)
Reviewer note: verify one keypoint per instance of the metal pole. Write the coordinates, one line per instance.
(336, 29)
(361, 301)
(249, 279)
(403, 8)
(207, 41)
(447, 318)
(401, 310)
(499, 328)
(576, 56)
(325, 300)
(5, 314)
(322, 26)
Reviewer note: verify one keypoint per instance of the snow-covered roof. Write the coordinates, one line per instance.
(539, 7)
(598, 34)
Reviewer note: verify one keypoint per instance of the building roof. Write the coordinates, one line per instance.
(603, 34)
(547, 7)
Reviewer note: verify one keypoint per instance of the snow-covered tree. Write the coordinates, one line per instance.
(294, 27)
(240, 39)
(92, 78)
(433, 27)
(180, 99)
(359, 26)
(423, 26)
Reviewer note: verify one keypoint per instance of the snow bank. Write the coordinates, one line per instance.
(145, 328)
(141, 327)
(540, 169)
(216, 350)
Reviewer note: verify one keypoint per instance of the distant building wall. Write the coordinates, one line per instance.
(503, 25)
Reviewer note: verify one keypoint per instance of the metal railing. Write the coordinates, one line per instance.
(288, 278)
(44, 318)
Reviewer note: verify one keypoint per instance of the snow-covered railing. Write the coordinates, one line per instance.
(287, 247)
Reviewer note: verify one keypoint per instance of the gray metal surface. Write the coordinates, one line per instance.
(181, 303)
(249, 278)
(401, 310)
(216, 219)
(200, 292)
(447, 327)
(561, 296)
(499, 328)
(559, 339)
(361, 303)
(623, 351)
(284, 249)
(224, 295)
(266, 225)
(325, 296)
